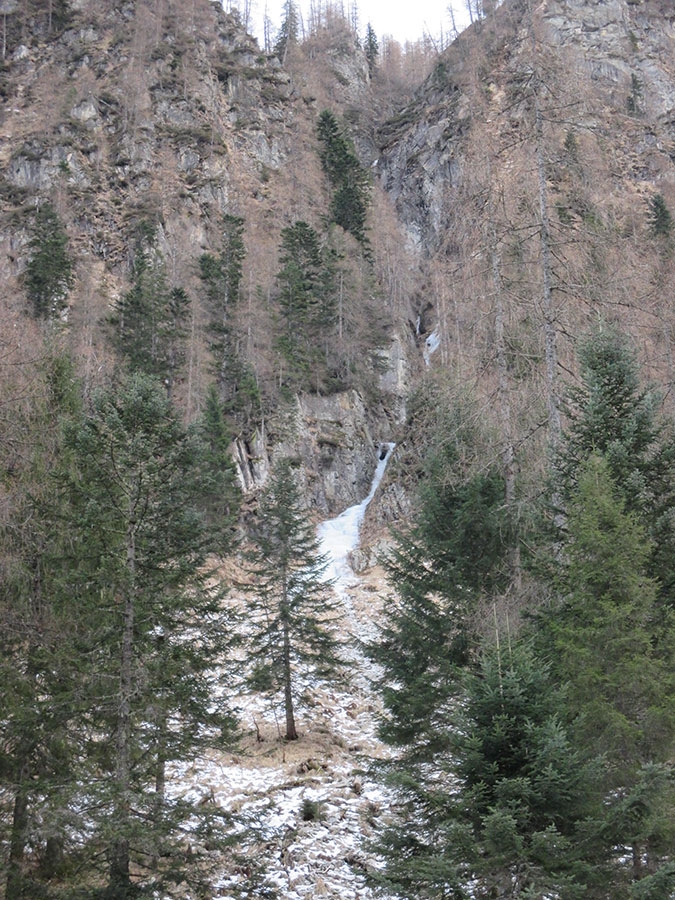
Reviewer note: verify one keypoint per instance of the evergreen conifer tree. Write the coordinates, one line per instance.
(221, 275)
(172, 335)
(611, 414)
(292, 612)
(660, 219)
(532, 796)
(289, 31)
(496, 799)
(150, 318)
(307, 302)
(508, 808)
(218, 486)
(371, 49)
(351, 186)
(607, 643)
(455, 554)
(49, 273)
(441, 568)
(602, 631)
(302, 280)
(149, 627)
(39, 708)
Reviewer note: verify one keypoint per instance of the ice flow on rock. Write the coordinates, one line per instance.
(339, 536)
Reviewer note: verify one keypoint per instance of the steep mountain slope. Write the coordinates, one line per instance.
(170, 114)
(607, 71)
(163, 119)
(529, 170)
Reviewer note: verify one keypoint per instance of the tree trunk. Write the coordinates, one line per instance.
(17, 845)
(503, 398)
(291, 733)
(160, 776)
(508, 453)
(119, 879)
(636, 853)
(25, 749)
(119, 875)
(160, 780)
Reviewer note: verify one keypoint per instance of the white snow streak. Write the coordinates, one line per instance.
(339, 536)
(431, 345)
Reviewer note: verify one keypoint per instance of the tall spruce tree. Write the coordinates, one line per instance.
(606, 641)
(531, 795)
(49, 274)
(350, 182)
(495, 797)
(455, 554)
(371, 49)
(149, 627)
(307, 303)
(289, 31)
(612, 414)
(292, 612)
(660, 219)
(218, 485)
(172, 336)
(39, 702)
(221, 275)
(150, 319)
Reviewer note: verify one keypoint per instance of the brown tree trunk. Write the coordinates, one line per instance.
(119, 873)
(291, 733)
(638, 873)
(503, 397)
(17, 845)
(160, 777)
(508, 453)
(25, 749)
(119, 878)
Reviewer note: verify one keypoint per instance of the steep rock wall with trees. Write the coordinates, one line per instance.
(173, 161)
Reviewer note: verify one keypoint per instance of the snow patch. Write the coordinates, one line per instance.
(340, 536)
(431, 345)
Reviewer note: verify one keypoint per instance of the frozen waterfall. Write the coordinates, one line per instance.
(339, 536)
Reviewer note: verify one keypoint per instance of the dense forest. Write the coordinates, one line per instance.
(232, 276)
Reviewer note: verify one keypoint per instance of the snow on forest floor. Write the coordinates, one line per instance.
(313, 800)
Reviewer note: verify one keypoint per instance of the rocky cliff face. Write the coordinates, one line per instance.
(131, 112)
(338, 440)
(171, 114)
(616, 58)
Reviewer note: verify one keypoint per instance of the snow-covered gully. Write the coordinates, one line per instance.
(275, 784)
